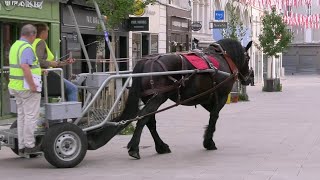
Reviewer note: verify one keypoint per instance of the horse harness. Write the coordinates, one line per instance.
(178, 83)
(181, 83)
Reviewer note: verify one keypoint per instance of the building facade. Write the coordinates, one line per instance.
(152, 41)
(93, 38)
(178, 26)
(13, 15)
(202, 12)
(303, 55)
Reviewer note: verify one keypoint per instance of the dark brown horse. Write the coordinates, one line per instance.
(154, 91)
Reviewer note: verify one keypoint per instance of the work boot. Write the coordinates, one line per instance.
(32, 150)
(21, 151)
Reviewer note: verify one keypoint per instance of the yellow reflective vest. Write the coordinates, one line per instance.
(50, 56)
(16, 75)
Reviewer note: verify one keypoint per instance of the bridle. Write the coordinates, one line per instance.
(233, 68)
(247, 58)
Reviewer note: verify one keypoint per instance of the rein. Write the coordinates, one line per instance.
(233, 68)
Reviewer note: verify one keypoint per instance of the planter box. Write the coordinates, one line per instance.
(271, 85)
(234, 97)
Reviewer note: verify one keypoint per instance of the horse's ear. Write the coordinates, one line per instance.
(249, 45)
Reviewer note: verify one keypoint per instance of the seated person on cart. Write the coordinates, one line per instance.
(25, 86)
(46, 59)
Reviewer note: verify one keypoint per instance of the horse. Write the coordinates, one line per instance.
(153, 91)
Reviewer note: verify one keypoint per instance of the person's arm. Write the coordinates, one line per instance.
(28, 76)
(26, 60)
(66, 62)
(41, 52)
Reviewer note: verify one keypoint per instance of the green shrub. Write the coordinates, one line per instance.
(278, 87)
(243, 97)
(128, 130)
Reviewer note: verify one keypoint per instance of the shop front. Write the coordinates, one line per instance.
(13, 15)
(178, 29)
(147, 32)
(93, 38)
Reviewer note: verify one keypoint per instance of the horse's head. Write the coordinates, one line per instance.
(244, 72)
(239, 56)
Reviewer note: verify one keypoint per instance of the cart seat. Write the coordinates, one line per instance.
(54, 85)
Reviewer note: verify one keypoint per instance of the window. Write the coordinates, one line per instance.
(154, 44)
(289, 10)
(309, 10)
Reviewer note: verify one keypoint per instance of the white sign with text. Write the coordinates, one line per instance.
(23, 4)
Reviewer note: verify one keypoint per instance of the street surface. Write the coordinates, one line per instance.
(275, 136)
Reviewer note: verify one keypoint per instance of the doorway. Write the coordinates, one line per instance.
(145, 44)
(9, 33)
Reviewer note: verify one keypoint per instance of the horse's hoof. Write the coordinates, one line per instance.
(212, 148)
(134, 154)
(209, 145)
(163, 149)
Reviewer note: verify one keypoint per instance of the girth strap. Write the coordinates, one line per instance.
(177, 83)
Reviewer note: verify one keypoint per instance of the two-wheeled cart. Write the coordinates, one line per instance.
(64, 142)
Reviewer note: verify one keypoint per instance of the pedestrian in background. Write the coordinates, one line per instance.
(25, 86)
(251, 77)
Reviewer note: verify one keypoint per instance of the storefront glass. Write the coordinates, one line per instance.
(12, 17)
(154, 44)
(136, 46)
(8, 36)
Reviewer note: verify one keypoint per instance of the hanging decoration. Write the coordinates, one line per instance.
(290, 18)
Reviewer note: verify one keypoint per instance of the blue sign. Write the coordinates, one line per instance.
(219, 15)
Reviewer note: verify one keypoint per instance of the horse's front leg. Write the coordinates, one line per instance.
(151, 106)
(161, 147)
(214, 110)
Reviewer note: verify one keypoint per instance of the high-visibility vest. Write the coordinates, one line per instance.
(50, 56)
(16, 75)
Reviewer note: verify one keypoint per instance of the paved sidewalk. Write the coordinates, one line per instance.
(275, 136)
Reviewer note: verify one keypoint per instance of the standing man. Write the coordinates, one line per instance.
(252, 77)
(23, 85)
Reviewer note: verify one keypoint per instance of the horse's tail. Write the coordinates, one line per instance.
(132, 105)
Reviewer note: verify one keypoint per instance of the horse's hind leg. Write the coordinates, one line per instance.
(151, 106)
(161, 147)
(214, 110)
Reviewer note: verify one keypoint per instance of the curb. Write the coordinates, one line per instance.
(5, 122)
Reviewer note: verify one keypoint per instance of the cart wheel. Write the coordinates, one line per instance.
(64, 145)
(16, 147)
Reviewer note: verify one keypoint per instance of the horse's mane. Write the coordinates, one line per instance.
(233, 48)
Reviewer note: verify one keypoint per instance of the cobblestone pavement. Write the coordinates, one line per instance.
(275, 136)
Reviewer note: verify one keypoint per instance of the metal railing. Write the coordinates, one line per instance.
(107, 121)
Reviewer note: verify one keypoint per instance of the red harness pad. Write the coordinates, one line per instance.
(200, 63)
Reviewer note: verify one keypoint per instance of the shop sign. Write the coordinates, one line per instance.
(218, 25)
(10, 5)
(179, 24)
(85, 18)
(138, 24)
(139, 10)
(196, 26)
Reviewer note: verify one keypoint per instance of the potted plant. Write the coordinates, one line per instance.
(275, 37)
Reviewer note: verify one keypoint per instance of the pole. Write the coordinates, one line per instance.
(80, 37)
(112, 55)
(106, 34)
